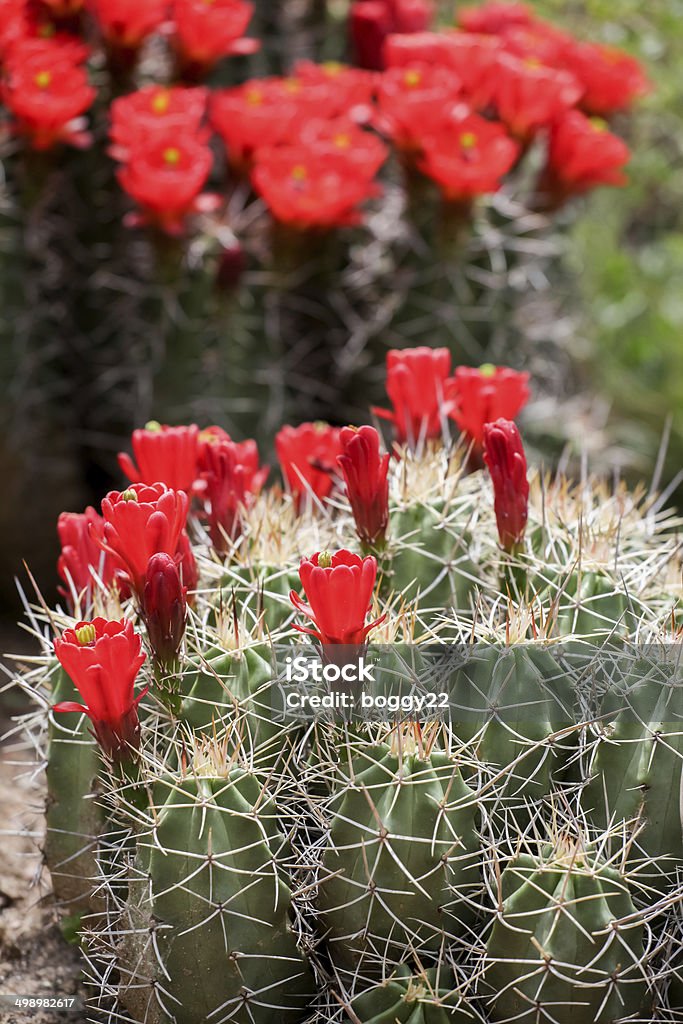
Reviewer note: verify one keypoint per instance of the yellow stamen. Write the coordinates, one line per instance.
(254, 97)
(342, 141)
(172, 156)
(299, 173)
(487, 370)
(325, 560)
(292, 85)
(412, 78)
(129, 495)
(153, 426)
(333, 68)
(598, 124)
(86, 634)
(43, 79)
(161, 101)
(468, 140)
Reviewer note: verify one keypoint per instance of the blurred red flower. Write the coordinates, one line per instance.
(230, 476)
(479, 396)
(529, 96)
(371, 21)
(468, 156)
(163, 454)
(339, 136)
(412, 101)
(339, 589)
(207, 30)
(308, 458)
(103, 659)
(582, 154)
(310, 189)
(494, 17)
(506, 461)
(47, 91)
(416, 386)
(140, 522)
(127, 23)
(165, 175)
(365, 475)
(472, 58)
(155, 108)
(335, 90)
(259, 113)
(611, 79)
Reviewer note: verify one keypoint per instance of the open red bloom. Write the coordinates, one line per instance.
(102, 659)
(371, 21)
(165, 175)
(155, 108)
(365, 475)
(309, 189)
(164, 608)
(482, 395)
(81, 555)
(416, 386)
(472, 58)
(140, 522)
(47, 91)
(207, 30)
(539, 42)
(468, 156)
(127, 23)
(611, 79)
(308, 458)
(339, 589)
(259, 113)
(338, 136)
(582, 154)
(335, 90)
(413, 101)
(163, 454)
(493, 17)
(231, 476)
(529, 96)
(506, 461)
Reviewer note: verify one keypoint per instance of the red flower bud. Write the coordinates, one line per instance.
(102, 659)
(417, 384)
(372, 21)
(165, 454)
(81, 555)
(479, 396)
(139, 523)
(339, 589)
(164, 608)
(308, 458)
(365, 474)
(231, 476)
(506, 461)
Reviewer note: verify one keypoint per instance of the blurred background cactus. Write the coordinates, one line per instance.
(170, 249)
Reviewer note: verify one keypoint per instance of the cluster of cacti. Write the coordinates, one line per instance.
(111, 118)
(485, 828)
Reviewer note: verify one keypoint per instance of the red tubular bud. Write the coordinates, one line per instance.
(506, 462)
(339, 589)
(164, 608)
(365, 474)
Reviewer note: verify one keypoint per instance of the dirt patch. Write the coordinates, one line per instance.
(34, 958)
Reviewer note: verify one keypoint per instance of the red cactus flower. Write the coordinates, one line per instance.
(164, 608)
(102, 659)
(163, 454)
(339, 136)
(493, 17)
(336, 90)
(529, 96)
(582, 154)
(611, 79)
(140, 522)
(339, 589)
(308, 189)
(416, 385)
(539, 42)
(308, 458)
(137, 116)
(46, 91)
(413, 101)
(14, 24)
(231, 476)
(365, 475)
(468, 157)
(480, 396)
(127, 23)
(506, 462)
(81, 555)
(259, 113)
(207, 30)
(472, 58)
(165, 174)
(371, 21)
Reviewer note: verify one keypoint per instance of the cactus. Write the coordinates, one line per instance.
(426, 998)
(566, 944)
